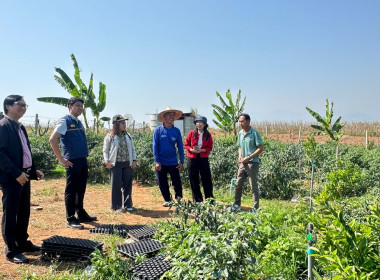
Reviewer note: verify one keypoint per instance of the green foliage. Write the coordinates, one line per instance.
(345, 181)
(348, 250)
(43, 155)
(223, 161)
(97, 172)
(227, 114)
(108, 266)
(278, 170)
(326, 127)
(215, 245)
(144, 171)
(79, 90)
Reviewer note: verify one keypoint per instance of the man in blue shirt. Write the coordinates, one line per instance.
(250, 146)
(73, 140)
(167, 140)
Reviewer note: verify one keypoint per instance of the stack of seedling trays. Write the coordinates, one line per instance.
(68, 249)
(137, 232)
(148, 247)
(151, 269)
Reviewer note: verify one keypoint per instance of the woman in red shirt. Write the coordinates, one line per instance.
(198, 144)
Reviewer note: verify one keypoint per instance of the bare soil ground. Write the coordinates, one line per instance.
(51, 219)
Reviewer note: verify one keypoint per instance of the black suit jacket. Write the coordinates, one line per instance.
(11, 153)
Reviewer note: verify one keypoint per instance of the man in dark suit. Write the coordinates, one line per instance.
(16, 171)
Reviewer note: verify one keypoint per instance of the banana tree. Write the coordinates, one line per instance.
(79, 90)
(326, 127)
(227, 114)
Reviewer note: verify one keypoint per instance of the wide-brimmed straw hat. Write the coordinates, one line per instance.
(177, 114)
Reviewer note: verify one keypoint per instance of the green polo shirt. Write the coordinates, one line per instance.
(248, 143)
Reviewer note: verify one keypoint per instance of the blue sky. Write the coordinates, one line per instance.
(283, 55)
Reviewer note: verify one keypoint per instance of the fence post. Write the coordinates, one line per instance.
(36, 124)
(366, 139)
(266, 131)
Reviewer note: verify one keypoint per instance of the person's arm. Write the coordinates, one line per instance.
(256, 153)
(6, 165)
(239, 155)
(54, 145)
(155, 145)
(134, 156)
(187, 144)
(106, 151)
(180, 148)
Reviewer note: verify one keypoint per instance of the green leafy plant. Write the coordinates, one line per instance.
(345, 181)
(79, 90)
(108, 266)
(327, 127)
(348, 250)
(227, 114)
(206, 242)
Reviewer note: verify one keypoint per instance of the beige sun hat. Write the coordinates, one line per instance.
(177, 114)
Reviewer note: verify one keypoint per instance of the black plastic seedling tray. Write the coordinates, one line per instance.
(151, 269)
(136, 232)
(66, 248)
(147, 247)
(144, 232)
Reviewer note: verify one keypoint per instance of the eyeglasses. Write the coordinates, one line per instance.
(21, 105)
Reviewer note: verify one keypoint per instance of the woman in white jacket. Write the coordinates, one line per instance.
(120, 158)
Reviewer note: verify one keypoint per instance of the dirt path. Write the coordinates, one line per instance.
(51, 219)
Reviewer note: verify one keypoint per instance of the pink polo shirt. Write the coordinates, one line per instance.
(27, 156)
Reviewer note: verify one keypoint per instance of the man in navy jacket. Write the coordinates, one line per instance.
(16, 171)
(73, 140)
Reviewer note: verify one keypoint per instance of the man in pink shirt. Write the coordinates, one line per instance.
(16, 171)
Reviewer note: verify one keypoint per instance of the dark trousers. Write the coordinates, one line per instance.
(15, 221)
(121, 185)
(76, 180)
(200, 166)
(162, 179)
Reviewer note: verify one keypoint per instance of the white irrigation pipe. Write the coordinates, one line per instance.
(310, 235)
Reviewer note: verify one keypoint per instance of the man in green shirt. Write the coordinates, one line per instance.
(250, 146)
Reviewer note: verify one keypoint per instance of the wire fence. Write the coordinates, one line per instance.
(266, 128)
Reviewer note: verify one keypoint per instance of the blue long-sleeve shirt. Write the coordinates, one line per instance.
(164, 145)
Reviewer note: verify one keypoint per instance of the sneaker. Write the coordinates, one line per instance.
(233, 208)
(166, 204)
(119, 210)
(254, 210)
(129, 209)
(74, 224)
(83, 217)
